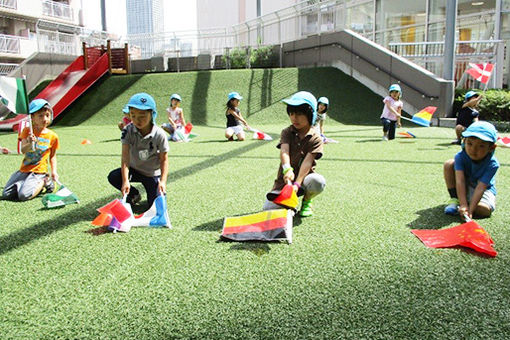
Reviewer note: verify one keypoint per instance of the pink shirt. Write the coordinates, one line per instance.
(175, 115)
(396, 104)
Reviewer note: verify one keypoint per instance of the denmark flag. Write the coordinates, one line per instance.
(481, 72)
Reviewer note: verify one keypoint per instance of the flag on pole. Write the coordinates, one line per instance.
(13, 93)
(25, 123)
(62, 197)
(269, 225)
(481, 72)
(257, 134)
(156, 216)
(423, 117)
(468, 234)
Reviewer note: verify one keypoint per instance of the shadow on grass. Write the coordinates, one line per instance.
(257, 248)
(109, 140)
(90, 155)
(215, 225)
(372, 140)
(432, 218)
(20, 238)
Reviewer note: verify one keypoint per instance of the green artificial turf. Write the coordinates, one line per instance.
(354, 269)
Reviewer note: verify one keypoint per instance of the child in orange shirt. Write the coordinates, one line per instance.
(38, 146)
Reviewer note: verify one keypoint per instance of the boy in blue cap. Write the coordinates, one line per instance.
(300, 146)
(38, 144)
(144, 152)
(470, 176)
(467, 115)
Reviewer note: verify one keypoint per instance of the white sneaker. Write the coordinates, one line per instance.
(385, 138)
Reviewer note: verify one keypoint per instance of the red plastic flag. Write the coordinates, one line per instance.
(505, 142)
(469, 234)
(481, 72)
(117, 209)
(287, 197)
(187, 128)
(102, 220)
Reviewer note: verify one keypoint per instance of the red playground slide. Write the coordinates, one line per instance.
(66, 88)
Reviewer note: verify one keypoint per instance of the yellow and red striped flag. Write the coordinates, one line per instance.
(268, 225)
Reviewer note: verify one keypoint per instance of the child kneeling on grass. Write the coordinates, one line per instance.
(300, 146)
(38, 146)
(144, 152)
(470, 176)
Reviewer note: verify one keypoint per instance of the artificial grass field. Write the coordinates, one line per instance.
(353, 271)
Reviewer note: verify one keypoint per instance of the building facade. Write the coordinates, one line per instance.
(145, 17)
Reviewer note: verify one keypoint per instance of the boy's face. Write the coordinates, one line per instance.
(477, 149)
(141, 118)
(299, 120)
(42, 118)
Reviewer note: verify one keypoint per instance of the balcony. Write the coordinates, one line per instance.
(57, 10)
(12, 4)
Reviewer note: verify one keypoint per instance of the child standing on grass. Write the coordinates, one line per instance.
(322, 108)
(300, 146)
(470, 176)
(125, 119)
(176, 120)
(235, 119)
(39, 145)
(144, 152)
(392, 112)
(467, 115)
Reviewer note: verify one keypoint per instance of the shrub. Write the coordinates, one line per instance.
(495, 106)
(263, 57)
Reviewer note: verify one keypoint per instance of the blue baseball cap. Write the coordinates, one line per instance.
(234, 95)
(303, 97)
(395, 87)
(125, 109)
(175, 96)
(143, 101)
(482, 130)
(469, 95)
(37, 104)
(323, 100)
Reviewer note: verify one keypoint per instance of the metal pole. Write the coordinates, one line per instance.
(449, 43)
(103, 15)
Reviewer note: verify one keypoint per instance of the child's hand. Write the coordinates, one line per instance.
(399, 124)
(125, 188)
(289, 176)
(162, 187)
(54, 176)
(464, 210)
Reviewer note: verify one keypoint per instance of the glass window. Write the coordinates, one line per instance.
(402, 21)
(360, 17)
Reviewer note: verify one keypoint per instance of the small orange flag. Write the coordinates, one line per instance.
(86, 142)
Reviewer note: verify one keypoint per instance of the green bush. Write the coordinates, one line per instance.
(495, 106)
(263, 57)
(237, 58)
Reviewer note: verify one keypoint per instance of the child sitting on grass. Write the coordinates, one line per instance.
(176, 122)
(235, 119)
(470, 176)
(467, 115)
(39, 145)
(300, 146)
(144, 152)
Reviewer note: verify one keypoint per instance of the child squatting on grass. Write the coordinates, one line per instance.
(234, 118)
(470, 176)
(467, 115)
(300, 146)
(144, 152)
(322, 109)
(392, 111)
(176, 120)
(37, 146)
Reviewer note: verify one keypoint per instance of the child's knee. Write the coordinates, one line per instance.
(448, 165)
(314, 184)
(483, 211)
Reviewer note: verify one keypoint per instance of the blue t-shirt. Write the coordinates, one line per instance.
(483, 171)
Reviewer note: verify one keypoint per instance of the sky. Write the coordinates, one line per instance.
(116, 15)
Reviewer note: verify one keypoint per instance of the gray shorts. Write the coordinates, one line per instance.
(488, 198)
(22, 185)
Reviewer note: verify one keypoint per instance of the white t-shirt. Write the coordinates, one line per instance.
(175, 115)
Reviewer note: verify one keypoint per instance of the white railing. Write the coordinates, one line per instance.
(6, 68)
(58, 42)
(13, 4)
(9, 44)
(57, 10)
